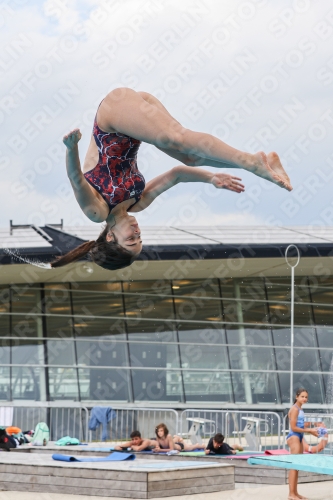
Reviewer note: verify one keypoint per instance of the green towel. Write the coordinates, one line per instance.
(67, 441)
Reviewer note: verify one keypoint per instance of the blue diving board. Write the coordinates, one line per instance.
(321, 464)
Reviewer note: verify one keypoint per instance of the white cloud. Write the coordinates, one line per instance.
(93, 47)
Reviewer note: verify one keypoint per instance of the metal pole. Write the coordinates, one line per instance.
(292, 319)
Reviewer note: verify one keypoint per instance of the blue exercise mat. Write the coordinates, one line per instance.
(321, 464)
(116, 456)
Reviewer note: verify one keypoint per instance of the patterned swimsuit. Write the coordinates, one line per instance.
(116, 176)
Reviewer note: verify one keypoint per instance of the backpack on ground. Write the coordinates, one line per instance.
(42, 435)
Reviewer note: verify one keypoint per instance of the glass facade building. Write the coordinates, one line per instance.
(185, 342)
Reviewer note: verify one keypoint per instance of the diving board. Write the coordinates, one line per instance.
(320, 464)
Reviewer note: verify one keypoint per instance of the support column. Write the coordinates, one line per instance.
(244, 361)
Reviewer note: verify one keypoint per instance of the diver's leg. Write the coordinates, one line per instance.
(125, 111)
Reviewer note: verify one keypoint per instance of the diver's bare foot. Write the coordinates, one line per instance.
(293, 497)
(262, 169)
(275, 163)
(300, 496)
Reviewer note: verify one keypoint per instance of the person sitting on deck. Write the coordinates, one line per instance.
(217, 446)
(137, 443)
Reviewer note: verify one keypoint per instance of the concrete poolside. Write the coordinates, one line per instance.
(313, 491)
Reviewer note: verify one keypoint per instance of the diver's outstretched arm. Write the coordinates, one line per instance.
(182, 173)
(91, 202)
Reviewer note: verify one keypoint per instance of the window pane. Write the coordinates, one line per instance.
(57, 299)
(251, 288)
(104, 384)
(101, 353)
(197, 309)
(325, 336)
(207, 386)
(153, 331)
(59, 326)
(4, 308)
(253, 388)
(156, 385)
(148, 286)
(4, 383)
(313, 384)
(280, 289)
(303, 336)
(148, 306)
(98, 327)
(323, 315)
(203, 356)
(97, 304)
(25, 299)
(24, 327)
(284, 383)
(280, 314)
(321, 294)
(63, 383)
(202, 334)
(27, 382)
(245, 312)
(253, 358)
(281, 336)
(306, 360)
(196, 288)
(27, 352)
(154, 355)
(60, 352)
(238, 334)
(326, 358)
(4, 352)
(98, 287)
(282, 357)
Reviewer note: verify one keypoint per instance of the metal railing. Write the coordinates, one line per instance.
(252, 429)
(61, 420)
(133, 418)
(314, 420)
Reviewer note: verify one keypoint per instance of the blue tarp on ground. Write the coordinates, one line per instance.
(116, 456)
(321, 464)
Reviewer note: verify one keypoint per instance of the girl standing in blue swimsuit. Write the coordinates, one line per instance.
(295, 438)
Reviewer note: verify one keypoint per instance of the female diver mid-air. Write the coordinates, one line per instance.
(110, 184)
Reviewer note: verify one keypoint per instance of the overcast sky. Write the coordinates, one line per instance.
(257, 74)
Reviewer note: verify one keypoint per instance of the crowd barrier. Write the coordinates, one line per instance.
(61, 420)
(145, 420)
(253, 429)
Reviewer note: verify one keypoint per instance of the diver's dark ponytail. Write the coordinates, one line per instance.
(107, 254)
(74, 255)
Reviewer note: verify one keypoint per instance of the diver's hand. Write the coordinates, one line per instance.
(72, 138)
(226, 181)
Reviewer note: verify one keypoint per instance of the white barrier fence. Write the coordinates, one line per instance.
(253, 430)
(61, 420)
(133, 418)
(323, 444)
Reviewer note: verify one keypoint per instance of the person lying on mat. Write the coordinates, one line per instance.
(217, 446)
(137, 443)
(180, 443)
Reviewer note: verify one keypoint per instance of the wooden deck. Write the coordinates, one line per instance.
(131, 479)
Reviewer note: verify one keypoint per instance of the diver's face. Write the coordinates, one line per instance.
(128, 235)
